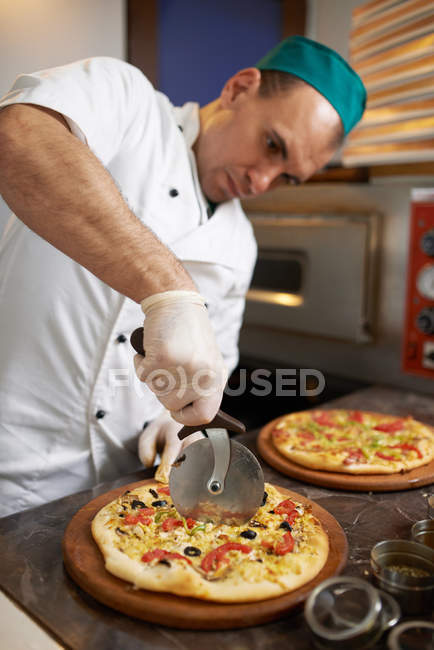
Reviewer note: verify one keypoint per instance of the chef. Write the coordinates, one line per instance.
(125, 206)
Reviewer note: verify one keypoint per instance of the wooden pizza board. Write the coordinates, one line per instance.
(84, 563)
(415, 478)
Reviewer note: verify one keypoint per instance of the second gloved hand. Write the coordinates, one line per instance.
(183, 365)
(161, 436)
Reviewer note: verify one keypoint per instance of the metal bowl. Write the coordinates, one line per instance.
(405, 569)
(423, 532)
(346, 612)
(431, 506)
(412, 635)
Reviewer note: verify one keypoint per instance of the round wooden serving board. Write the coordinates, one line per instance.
(84, 563)
(361, 483)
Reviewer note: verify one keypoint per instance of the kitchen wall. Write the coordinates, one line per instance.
(35, 35)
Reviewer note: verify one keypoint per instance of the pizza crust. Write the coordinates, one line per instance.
(318, 462)
(244, 580)
(285, 440)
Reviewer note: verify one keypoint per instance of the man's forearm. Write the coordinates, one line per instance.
(60, 190)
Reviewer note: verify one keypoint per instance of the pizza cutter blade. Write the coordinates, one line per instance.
(217, 479)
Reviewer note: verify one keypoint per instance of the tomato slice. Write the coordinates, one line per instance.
(286, 545)
(170, 523)
(146, 511)
(161, 554)
(407, 447)
(354, 456)
(267, 544)
(191, 523)
(384, 456)
(292, 516)
(131, 520)
(323, 419)
(390, 427)
(306, 435)
(356, 416)
(213, 559)
(164, 490)
(284, 507)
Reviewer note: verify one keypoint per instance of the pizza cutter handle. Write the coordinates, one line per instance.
(136, 340)
(221, 421)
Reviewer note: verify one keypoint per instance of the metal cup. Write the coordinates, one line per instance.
(406, 570)
(346, 612)
(412, 635)
(431, 506)
(423, 532)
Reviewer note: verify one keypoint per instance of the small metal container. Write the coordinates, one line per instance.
(431, 506)
(423, 532)
(413, 635)
(346, 612)
(405, 569)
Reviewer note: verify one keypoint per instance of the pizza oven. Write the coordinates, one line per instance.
(315, 275)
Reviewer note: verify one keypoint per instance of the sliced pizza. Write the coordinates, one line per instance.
(147, 543)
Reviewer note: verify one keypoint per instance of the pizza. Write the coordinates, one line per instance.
(354, 442)
(146, 542)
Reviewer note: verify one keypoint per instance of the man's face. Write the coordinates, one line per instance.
(249, 144)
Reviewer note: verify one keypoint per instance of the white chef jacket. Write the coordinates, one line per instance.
(71, 407)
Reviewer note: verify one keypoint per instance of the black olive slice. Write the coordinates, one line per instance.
(154, 493)
(137, 504)
(121, 532)
(248, 534)
(159, 504)
(264, 499)
(285, 525)
(192, 551)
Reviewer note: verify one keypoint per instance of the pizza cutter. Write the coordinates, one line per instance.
(214, 479)
(217, 479)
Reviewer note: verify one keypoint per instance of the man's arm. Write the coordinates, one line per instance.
(61, 191)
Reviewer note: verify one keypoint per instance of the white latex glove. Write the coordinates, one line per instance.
(161, 436)
(183, 365)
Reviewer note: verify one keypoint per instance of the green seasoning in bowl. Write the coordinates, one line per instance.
(409, 571)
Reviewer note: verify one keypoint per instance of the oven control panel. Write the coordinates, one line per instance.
(418, 348)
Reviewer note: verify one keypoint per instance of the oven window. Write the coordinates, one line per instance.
(278, 270)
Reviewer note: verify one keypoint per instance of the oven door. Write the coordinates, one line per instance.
(315, 275)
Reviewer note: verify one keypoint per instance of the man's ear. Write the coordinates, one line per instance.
(243, 84)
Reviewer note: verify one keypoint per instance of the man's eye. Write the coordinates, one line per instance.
(271, 144)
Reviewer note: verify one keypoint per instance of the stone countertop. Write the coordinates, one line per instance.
(32, 573)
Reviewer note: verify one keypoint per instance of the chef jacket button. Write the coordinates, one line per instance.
(100, 414)
(145, 424)
(180, 128)
(121, 338)
(173, 192)
(209, 212)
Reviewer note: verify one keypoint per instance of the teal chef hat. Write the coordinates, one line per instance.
(325, 70)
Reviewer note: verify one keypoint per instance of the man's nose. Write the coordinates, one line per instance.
(261, 178)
